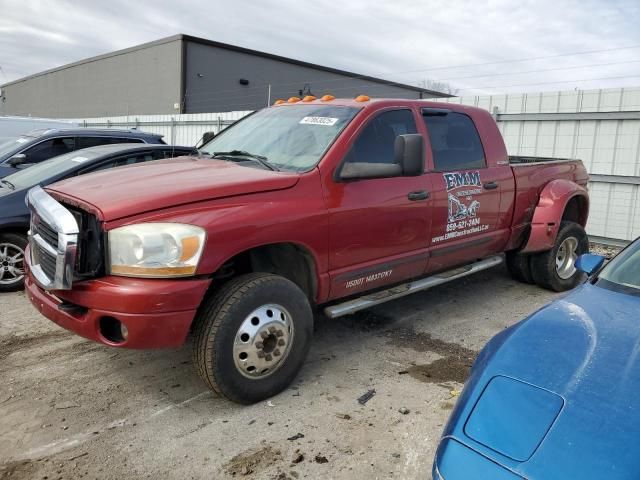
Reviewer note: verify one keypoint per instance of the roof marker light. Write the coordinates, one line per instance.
(362, 98)
(309, 98)
(327, 98)
(293, 100)
(278, 102)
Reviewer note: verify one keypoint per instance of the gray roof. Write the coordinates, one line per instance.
(226, 46)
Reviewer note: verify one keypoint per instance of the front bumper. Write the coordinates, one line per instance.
(157, 313)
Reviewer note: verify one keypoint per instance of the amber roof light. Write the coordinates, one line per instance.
(362, 98)
(293, 100)
(327, 98)
(309, 98)
(278, 102)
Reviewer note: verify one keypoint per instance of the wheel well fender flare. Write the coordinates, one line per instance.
(292, 260)
(559, 200)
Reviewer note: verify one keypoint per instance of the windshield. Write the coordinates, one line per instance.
(43, 171)
(288, 137)
(624, 269)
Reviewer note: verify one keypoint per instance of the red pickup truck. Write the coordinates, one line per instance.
(339, 203)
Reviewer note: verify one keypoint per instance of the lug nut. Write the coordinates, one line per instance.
(259, 345)
(260, 354)
(272, 329)
(281, 342)
(264, 334)
(276, 353)
(268, 358)
(279, 333)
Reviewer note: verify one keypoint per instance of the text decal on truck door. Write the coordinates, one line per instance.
(462, 218)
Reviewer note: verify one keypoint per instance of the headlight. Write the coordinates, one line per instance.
(155, 250)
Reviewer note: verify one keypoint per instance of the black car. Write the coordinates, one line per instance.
(15, 216)
(40, 145)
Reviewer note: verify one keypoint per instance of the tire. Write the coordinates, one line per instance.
(12, 247)
(555, 269)
(282, 312)
(519, 267)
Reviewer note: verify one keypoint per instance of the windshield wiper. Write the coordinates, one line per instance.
(241, 153)
(8, 184)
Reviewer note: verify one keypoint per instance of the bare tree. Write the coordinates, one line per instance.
(438, 86)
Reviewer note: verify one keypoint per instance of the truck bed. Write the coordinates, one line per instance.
(531, 175)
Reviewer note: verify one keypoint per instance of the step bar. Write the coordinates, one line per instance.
(366, 301)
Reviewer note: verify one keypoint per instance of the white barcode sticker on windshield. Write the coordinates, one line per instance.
(79, 159)
(328, 121)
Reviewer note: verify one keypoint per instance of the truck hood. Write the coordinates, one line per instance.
(135, 189)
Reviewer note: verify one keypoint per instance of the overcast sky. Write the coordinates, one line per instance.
(403, 40)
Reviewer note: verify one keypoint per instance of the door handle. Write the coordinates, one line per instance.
(490, 185)
(419, 195)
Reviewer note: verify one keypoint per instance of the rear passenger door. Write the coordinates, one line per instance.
(466, 191)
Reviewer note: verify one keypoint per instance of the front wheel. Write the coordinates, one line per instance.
(555, 269)
(252, 337)
(12, 246)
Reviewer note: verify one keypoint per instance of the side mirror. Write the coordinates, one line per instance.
(409, 152)
(17, 159)
(356, 170)
(589, 263)
(207, 137)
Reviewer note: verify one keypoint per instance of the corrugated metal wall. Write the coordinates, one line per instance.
(601, 127)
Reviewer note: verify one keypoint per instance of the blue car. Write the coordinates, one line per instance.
(557, 396)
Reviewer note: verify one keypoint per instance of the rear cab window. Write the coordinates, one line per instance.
(455, 142)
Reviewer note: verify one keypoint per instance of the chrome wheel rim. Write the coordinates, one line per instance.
(263, 341)
(11, 263)
(566, 257)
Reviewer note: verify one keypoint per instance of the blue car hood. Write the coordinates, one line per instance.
(585, 348)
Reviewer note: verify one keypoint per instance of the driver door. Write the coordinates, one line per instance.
(378, 228)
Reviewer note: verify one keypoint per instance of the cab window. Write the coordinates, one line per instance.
(139, 157)
(376, 143)
(86, 142)
(455, 142)
(49, 149)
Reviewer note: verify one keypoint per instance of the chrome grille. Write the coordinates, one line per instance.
(47, 233)
(43, 258)
(52, 241)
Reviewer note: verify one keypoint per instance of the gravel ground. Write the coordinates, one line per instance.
(73, 409)
(604, 250)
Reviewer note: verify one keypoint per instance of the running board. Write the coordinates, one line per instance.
(334, 311)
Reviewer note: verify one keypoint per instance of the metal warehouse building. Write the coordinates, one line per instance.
(183, 74)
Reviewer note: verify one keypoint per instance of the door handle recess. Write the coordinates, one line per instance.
(420, 195)
(490, 185)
